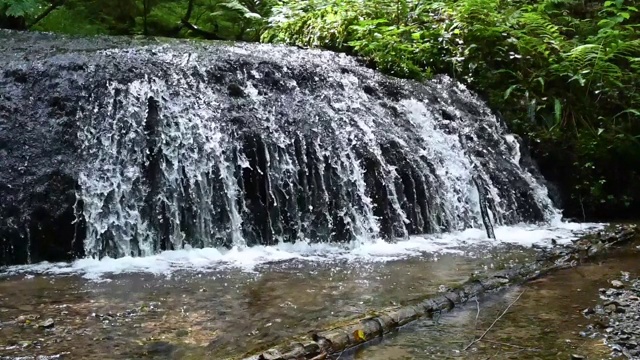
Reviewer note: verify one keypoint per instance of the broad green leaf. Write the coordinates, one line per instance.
(557, 110)
(19, 8)
(509, 90)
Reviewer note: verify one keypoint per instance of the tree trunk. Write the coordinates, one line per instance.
(145, 11)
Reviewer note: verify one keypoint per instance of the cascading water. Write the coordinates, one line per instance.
(234, 145)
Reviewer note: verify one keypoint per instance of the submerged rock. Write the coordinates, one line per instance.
(617, 284)
(47, 324)
(27, 319)
(160, 348)
(111, 147)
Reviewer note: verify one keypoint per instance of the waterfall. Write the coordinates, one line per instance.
(236, 145)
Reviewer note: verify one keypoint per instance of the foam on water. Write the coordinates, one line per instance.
(249, 258)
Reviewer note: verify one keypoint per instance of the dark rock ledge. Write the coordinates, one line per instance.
(325, 344)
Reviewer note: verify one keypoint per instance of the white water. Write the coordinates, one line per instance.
(326, 159)
(249, 258)
(223, 147)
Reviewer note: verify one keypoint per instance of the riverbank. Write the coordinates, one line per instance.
(616, 317)
(321, 345)
(546, 320)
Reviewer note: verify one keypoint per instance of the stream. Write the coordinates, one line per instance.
(182, 313)
(545, 320)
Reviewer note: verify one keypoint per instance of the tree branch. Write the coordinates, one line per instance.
(187, 16)
(186, 22)
(494, 322)
(54, 5)
(204, 33)
(145, 13)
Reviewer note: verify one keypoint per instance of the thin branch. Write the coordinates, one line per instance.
(511, 345)
(54, 5)
(515, 352)
(145, 13)
(494, 321)
(475, 326)
(204, 33)
(321, 356)
(190, 6)
(186, 22)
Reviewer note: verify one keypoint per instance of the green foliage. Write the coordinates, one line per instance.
(564, 73)
(65, 21)
(245, 18)
(227, 19)
(18, 8)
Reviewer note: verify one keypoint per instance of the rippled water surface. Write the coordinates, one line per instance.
(173, 308)
(544, 323)
(227, 312)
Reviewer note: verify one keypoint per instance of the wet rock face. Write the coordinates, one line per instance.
(39, 159)
(115, 148)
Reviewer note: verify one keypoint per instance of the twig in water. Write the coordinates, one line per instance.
(515, 352)
(321, 356)
(475, 326)
(494, 322)
(491, 356)
(511, 345)
(477, 313)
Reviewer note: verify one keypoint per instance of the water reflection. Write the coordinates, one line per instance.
(215, 313)
(543, 324)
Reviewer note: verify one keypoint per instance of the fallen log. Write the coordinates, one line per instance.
(324, 344)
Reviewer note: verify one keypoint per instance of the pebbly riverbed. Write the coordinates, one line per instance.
(616, 317)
